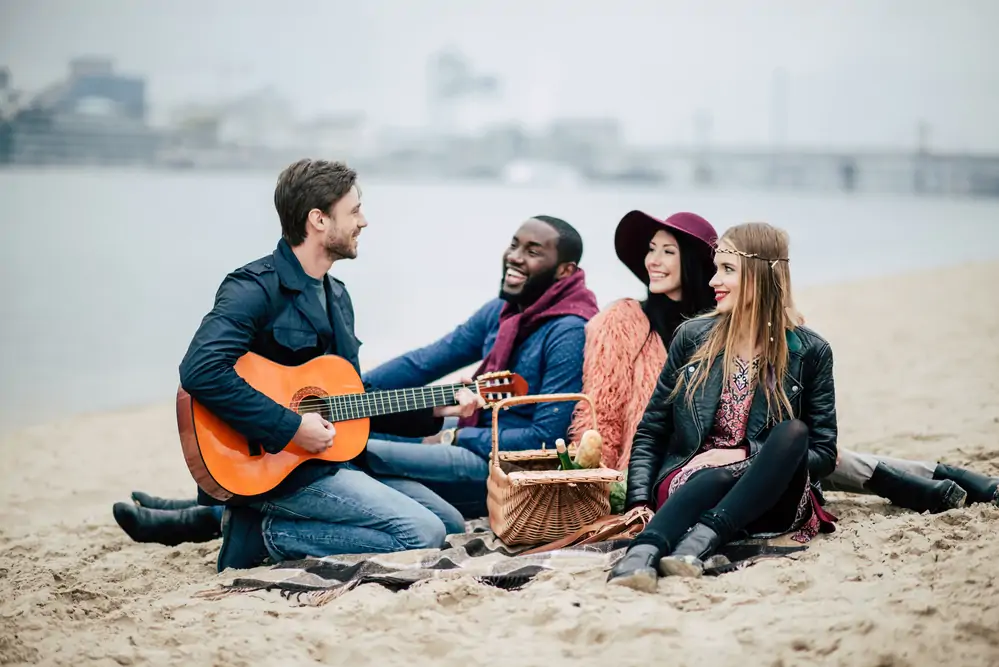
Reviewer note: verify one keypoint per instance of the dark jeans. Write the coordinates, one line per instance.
(715, 497)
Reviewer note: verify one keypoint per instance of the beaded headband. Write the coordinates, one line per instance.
(752, 255)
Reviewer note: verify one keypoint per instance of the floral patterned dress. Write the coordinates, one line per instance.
(729, 432)
(729, 428)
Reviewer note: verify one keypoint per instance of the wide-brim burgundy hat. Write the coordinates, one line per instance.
(636, 229)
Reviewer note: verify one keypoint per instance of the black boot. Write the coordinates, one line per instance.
(913, 492)
(169, 527)
(637, 569)
(980, 488)
(696, 547)
(155, 503)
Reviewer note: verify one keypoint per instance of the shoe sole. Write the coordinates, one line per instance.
(681, 566)
(718, 560)
(645, 581)
(953, 498)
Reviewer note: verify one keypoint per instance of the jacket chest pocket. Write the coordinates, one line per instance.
(295, 346)
(296, 340)
(294, 333)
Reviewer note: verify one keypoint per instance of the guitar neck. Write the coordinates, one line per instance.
(373, 404)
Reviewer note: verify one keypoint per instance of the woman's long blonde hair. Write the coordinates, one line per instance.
(763, 312)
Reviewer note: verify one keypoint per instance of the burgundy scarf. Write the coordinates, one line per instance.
(569, 296)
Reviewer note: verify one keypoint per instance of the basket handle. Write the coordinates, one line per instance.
(539, 398)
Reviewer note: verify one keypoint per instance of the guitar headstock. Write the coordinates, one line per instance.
(494, 387)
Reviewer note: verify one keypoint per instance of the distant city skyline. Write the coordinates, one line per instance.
(857, 73)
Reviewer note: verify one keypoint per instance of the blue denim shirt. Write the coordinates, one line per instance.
(550, 360)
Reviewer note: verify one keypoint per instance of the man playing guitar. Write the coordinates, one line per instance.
(286, 308)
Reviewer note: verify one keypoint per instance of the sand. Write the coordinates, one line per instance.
(917, 371)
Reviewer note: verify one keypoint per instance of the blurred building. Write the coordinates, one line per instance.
(93, 86)
(335, 136)
(459, 97)
(93, 116)
(582, 141)
(259, 129)
(8, 106)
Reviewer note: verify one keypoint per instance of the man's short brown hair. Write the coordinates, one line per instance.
(305, 185)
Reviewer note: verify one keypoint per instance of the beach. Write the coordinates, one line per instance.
(917, 376)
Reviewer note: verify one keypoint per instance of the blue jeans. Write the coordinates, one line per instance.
(352, 512)
(452, 473)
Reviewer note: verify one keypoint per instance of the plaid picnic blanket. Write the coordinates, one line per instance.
(478, 553)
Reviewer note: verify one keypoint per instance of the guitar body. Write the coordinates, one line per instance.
(220, 459)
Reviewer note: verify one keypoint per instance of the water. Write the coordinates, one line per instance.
(106, 274)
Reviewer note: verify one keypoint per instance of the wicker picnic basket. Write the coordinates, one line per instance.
(529, 500)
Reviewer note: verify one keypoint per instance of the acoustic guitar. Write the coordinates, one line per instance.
(224, 464)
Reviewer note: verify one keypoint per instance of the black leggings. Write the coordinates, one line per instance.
(714, 497)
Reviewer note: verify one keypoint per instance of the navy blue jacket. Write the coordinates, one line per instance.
(269, 307)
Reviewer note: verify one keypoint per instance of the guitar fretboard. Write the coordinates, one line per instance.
(359, 406)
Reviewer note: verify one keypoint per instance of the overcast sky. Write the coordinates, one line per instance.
(860, 72)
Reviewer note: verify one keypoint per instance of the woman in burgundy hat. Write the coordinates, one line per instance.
(626, 350)
(626, 342)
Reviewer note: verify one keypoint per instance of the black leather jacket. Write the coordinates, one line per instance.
(671, 431)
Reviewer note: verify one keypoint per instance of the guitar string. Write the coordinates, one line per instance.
(377, 400)
(350, 412)
(387, 394)
(349, 401)
(397, 395)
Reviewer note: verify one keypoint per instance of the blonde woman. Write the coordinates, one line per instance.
(743, 409)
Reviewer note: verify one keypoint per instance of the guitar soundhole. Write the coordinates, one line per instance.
(310, 399)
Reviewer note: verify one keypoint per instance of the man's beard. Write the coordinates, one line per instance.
(337, 248)
(532, 290)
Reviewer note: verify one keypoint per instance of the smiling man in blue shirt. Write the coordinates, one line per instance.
(535, 328)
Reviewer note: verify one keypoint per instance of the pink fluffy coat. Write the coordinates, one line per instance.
(621, 365)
